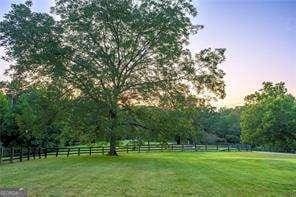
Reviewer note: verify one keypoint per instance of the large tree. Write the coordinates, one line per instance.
(269, 118)
(118, 53)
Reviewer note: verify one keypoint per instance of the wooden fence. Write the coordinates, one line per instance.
(10, 155)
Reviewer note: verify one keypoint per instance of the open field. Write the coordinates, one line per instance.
(157, 174)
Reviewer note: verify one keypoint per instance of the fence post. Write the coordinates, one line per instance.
(28, 156)
(206, 147)
(148, 146)
(11, 154)
(103, 150)
(68, 152)
(182, 147)
(228, 147)
(127, 148)
(57, 151)
(195, 147)
(172, 147)
(134, 146)
(217, 147)
(21, 154)
(89, 150)
(79, 151)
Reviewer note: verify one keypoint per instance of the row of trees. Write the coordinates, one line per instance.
(42, 116)
(46, 116)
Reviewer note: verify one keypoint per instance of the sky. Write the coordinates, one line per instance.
(259, 35)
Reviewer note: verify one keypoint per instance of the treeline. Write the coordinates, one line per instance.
(49, 116)
(46, 116)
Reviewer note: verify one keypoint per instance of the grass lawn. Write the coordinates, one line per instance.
(156, 174)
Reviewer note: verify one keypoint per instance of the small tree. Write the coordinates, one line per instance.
(118, 53)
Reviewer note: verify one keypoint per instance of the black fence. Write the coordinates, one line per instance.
(10, 155)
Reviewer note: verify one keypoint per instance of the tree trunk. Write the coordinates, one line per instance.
(178, 139)
(112, 150)
(112, 136)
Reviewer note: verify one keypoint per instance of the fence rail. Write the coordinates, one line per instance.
(10, 155)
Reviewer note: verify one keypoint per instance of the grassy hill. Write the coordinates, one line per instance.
(157, 174)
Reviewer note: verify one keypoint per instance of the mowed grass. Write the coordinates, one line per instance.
(156, 174)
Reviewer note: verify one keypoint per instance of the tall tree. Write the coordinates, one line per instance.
(114, 52)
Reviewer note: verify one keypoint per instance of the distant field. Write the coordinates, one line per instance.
(157, 174)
